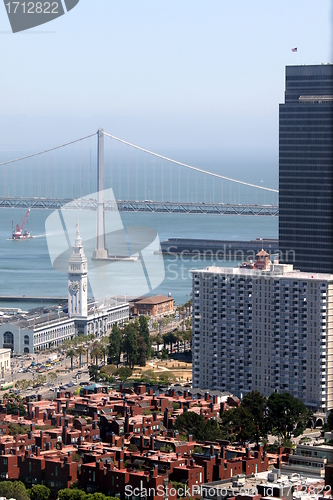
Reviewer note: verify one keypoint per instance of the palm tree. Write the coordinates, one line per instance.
(104, 351)
(96, 352)
(178, 338)
(157, 339)
(75, 341)
(66, 344)
(105, 339)
(57, 374)
(71, 354)
(81, 352)
(165, 338)
(187, 336)
(52, 377)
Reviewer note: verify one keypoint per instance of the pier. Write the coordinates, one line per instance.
(31, 298)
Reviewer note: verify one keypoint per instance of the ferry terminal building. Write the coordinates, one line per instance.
(29, 333)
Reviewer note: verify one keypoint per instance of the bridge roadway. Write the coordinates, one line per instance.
(142, 206)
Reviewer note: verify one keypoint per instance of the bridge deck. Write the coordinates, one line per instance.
(143, 206)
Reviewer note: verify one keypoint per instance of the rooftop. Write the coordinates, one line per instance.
(42, 317)
(276, 271)
(157, 299)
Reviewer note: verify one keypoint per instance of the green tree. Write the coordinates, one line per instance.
(286, 415)
(179, 337)
(202, 430)
(115, 344)
(132, 447)
(191, 423)
(66, 344)
(71, 354)
(187, 337)
(39, 492)
(94, 375)
(330, 421)
(180, 489)
(19, 491)
(124, 372)
(142, 351)
(131, 344)
(169, 338)
(81, 352)
(104, 352)
(149, 376)
(109, 369)
(144, 333)
(164, 353)
(256, 403)
(13, 408)
(97, 496)
(6, 489)
(15, 489)
(16, 429)
(213, 431)
(239, 424)
(52, 377)
(96, 352)
(167, 377)
(40, 380)
(71, 494)
(22, 384)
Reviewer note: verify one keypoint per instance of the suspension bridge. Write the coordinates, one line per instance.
(142, 181)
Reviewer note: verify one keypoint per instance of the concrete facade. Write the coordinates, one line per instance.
(4, 361)
(158, 305)
(266, 330)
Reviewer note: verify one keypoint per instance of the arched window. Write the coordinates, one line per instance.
(26, 350)
(26, 340)
(8, 340)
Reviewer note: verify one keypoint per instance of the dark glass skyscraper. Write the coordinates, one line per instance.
(306, 169)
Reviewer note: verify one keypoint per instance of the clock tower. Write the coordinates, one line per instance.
(77, 280)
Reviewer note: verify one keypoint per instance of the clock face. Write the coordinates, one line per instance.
(74, 286)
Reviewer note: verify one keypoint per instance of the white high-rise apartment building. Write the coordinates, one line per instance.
(267, 330)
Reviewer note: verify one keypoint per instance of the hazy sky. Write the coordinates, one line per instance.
(166, 74)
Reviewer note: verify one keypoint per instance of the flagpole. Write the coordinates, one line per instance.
(297, 57)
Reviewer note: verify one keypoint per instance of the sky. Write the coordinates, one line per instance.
(170, 75)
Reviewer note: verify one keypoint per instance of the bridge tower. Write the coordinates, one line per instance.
(100, 252)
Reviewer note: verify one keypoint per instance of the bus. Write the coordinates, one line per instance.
(5, 386)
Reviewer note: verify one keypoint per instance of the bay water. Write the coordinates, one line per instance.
(26, 269)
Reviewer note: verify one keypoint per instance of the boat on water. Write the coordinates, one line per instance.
(18, 233)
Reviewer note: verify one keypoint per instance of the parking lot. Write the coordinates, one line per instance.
(55, 373)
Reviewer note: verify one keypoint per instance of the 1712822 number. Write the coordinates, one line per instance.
(32, 7)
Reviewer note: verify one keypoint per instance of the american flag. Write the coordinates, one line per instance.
(294, 50)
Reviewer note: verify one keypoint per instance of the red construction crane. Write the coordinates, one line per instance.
(18, 233)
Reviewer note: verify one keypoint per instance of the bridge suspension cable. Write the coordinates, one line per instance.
(47, 150)
(191, 167)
